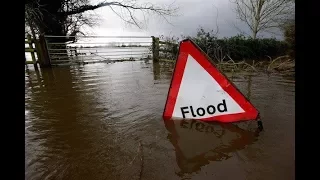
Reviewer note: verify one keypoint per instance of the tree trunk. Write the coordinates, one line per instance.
(255, 29)
(254, 34)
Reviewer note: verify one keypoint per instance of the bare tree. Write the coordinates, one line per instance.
(65, 17)
(263, 15)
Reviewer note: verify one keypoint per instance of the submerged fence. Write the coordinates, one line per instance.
(62, 50)
(163, 50)
(38, 50)
(90, 49)
(31, 48)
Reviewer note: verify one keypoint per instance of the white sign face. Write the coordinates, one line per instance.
(200, 95)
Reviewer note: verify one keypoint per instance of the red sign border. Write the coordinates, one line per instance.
(187, 47)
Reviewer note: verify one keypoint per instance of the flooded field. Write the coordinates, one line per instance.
(99, 54)
(104, 121)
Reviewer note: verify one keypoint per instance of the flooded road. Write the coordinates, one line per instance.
(104, 121)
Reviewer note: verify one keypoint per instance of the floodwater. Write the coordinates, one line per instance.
(104, 121)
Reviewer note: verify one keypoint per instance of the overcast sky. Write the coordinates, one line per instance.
(191, 15)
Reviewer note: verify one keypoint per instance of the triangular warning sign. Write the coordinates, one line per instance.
(199, 90)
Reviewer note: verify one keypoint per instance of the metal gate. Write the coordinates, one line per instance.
(91, 49)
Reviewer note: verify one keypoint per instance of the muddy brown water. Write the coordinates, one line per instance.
(103, 121)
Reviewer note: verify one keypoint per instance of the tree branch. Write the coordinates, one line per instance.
(151, 7)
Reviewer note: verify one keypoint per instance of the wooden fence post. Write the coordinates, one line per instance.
(30, 42)
(38, 50)
(45, 59)
(155, 49)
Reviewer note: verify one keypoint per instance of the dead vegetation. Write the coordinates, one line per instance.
(281, 65)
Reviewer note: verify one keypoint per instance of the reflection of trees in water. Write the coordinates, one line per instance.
(30, 75)
(197, 143)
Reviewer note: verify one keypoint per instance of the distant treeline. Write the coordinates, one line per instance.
(239, 47)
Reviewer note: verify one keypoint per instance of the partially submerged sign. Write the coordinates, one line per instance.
(199, 90)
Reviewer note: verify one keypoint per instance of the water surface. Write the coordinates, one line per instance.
(103, 121)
